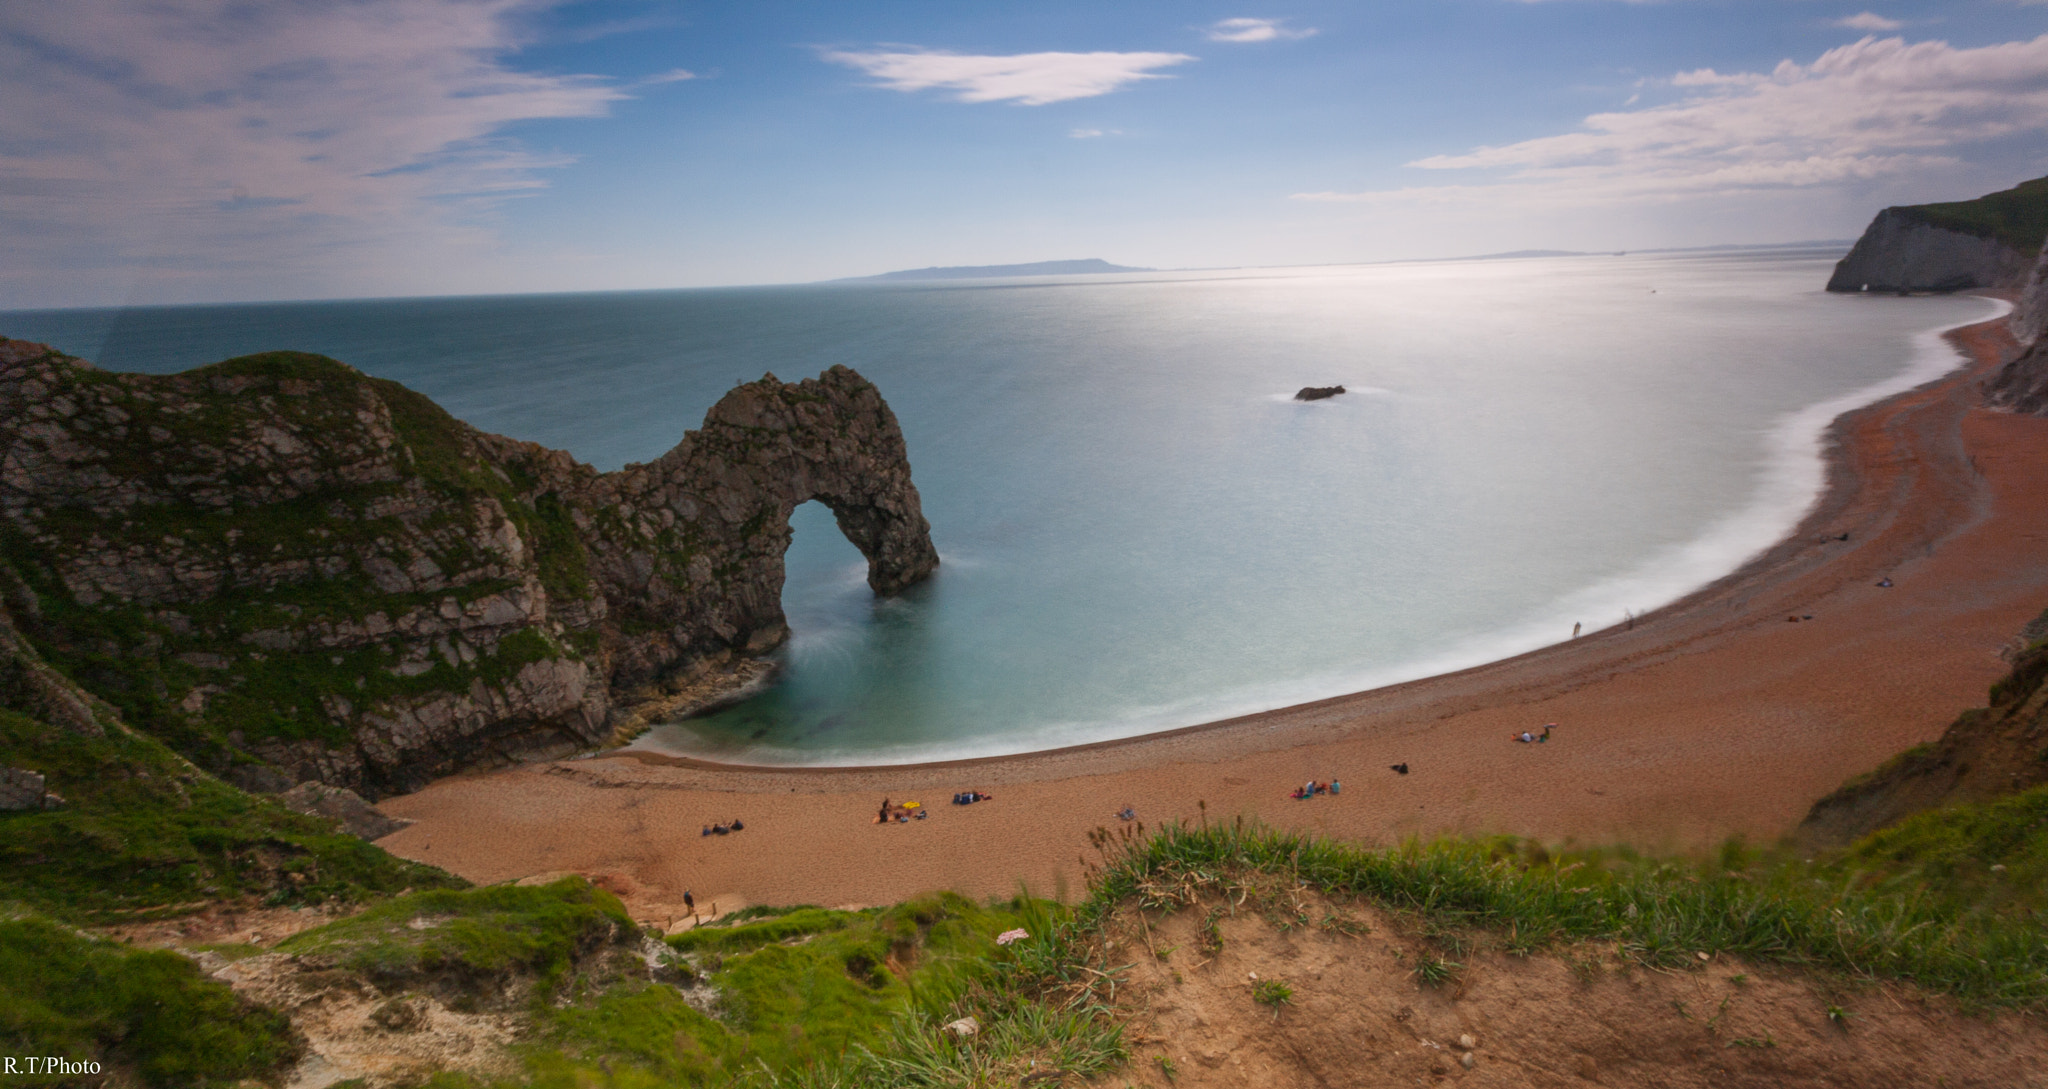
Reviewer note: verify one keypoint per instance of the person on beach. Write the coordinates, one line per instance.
(1525, 737)
(736, 825)
(1575, 629)
(689, 903)
(1546, 731)
(1336, 787)
(706, 831)
(1398, 769)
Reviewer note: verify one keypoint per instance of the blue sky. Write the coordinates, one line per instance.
(202, 150)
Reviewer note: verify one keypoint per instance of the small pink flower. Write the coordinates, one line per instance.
(1008, 936)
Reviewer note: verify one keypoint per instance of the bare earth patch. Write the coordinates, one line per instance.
(1358, 1013)
(353, 1030)
(230, 922)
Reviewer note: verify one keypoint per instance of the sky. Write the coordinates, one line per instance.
(164, 151)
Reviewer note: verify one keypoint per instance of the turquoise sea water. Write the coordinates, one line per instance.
(1139, 528)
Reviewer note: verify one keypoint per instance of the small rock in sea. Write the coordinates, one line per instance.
(1318, 393)
(1467, 1060)
(1467, 1042)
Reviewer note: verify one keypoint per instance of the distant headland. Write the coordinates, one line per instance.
(1084, 266)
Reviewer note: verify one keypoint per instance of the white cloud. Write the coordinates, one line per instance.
(1031, 79)
(200, 137)
(1874, 109)
(1254, 30)
(1868, 21)
(1094, 134)
(673, 75)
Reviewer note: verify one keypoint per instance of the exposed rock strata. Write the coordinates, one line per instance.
(2030, 313)
(293, 571)
(2022, 384)
(1901, 251)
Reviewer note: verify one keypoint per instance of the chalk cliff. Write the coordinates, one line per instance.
(1902, 252)
(292, 571)
(1957, 246)
(2022, 384)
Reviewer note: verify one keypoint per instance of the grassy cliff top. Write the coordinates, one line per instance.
(2017, 217)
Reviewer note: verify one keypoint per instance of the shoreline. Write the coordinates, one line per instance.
(1711, 716)
(1825, 452)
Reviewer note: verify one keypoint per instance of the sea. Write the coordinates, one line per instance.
(1140, 529)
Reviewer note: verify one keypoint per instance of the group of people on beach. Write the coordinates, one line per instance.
(723, 829)
(900, 814)
(1312, 788)
(1525, 737)
(969, 797)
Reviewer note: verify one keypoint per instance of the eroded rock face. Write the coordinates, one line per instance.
(1902, 252)
(2022, 384)
(2030, 313)
(295, 572)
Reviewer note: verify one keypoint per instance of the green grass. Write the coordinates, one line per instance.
(2017, 217)
(1272, 992)
(471, 937)
(151, 1013)
(1989, 858)
(1827, 915)
(817, 998)
(142, 832)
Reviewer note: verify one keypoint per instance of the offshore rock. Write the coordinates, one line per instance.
(292, 571)
(1318, 393)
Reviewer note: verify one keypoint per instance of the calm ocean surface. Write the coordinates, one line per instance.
(1139, 529)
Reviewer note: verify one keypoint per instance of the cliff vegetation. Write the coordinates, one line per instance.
(1989, 242)
(289, 571)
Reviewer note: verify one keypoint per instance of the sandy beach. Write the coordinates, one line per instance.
(1727, 713)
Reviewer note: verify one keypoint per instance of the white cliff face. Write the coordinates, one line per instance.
(2030, 314)
(2022, 384)
(297, 572)
(1899, 252)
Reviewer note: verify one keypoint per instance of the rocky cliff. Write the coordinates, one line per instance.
(2022, 383)
(1958, 246)
(292, 571)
